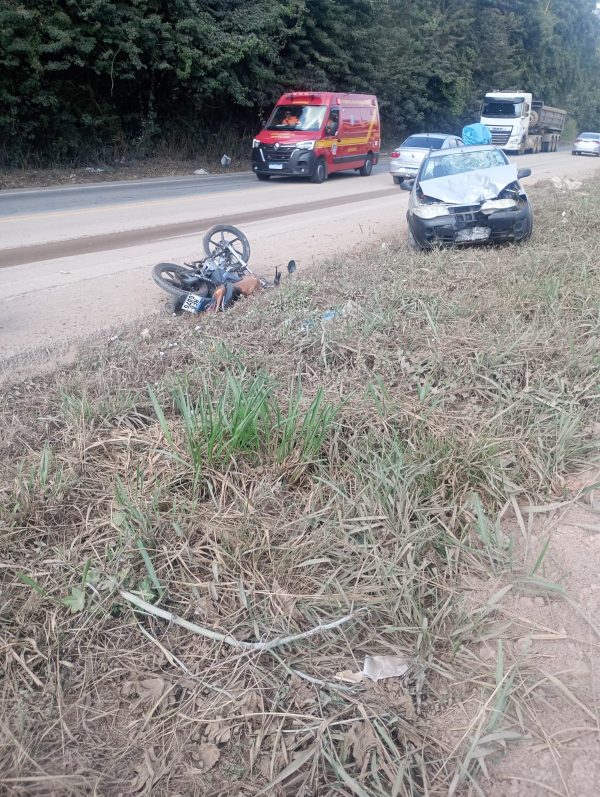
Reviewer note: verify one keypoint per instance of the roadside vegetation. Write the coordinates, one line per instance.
(86, 83)
(264, 473)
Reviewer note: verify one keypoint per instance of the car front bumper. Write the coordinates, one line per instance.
(503, 225)
(298, 163)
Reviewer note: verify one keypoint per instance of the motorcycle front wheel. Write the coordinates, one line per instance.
(178, 281)
(221, 234)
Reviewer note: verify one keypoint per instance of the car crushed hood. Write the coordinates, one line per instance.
(470, 188)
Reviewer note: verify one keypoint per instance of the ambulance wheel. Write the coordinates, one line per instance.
(366, 170)
(320, 172)
(263, 177)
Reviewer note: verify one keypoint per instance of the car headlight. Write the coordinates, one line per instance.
(498, 204)
(430, 211)
(255, 143)
(305, 144)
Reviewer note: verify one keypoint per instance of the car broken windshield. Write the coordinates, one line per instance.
(297, 117)
(461, 161)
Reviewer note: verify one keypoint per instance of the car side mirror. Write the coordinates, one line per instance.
(406, 185)
(523, 173)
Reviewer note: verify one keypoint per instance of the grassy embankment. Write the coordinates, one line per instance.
(259, 479)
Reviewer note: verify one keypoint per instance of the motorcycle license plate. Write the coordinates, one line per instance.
(192, 303)
(275, 165)
(473, 234)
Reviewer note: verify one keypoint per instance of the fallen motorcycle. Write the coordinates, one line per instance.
(217, 280)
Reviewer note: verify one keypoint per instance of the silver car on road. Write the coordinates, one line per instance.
(406, 159)
(587, 143)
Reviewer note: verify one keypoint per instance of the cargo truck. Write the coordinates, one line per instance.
(520, 124)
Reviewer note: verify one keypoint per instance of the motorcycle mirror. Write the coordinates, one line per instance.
(291, 266)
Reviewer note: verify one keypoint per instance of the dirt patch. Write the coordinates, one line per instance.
(558, 655)
(526, 723)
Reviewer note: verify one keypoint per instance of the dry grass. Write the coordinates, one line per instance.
(258, 479)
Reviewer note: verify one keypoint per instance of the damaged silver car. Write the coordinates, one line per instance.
(467, 195)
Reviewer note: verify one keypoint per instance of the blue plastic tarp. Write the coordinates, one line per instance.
(476, 134)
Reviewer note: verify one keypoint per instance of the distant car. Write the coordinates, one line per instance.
(406, 158)
(587, 144)
(467, 195)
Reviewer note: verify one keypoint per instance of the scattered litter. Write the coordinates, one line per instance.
(225, 161)
(349, 677)
(330, 315)
(378, 667)
(96, 170)
(566, 183)
(197, 327)
(113, 337)
(200, 171)
(145, 334)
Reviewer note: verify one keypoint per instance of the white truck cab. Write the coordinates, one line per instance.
(506, 114)
(519, 124)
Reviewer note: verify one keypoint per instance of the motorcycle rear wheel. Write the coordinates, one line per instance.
(224, 233)
(175, 280)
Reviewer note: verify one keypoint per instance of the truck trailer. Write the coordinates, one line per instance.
(518, 123)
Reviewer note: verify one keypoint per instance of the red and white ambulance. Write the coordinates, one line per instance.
(312, 134)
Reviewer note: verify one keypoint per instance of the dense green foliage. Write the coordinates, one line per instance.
(101, 78)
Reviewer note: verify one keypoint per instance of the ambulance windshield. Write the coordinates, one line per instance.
(297, 117)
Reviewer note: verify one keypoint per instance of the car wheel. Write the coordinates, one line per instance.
(396, 179)
(263, 177)
(411, 240)
(529, 228)
(366, 170)
(320, 172)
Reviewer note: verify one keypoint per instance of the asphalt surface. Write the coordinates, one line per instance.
(64, 198)
(88, 244)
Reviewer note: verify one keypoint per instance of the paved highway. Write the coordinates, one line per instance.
(77, 259)
(75, 197)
